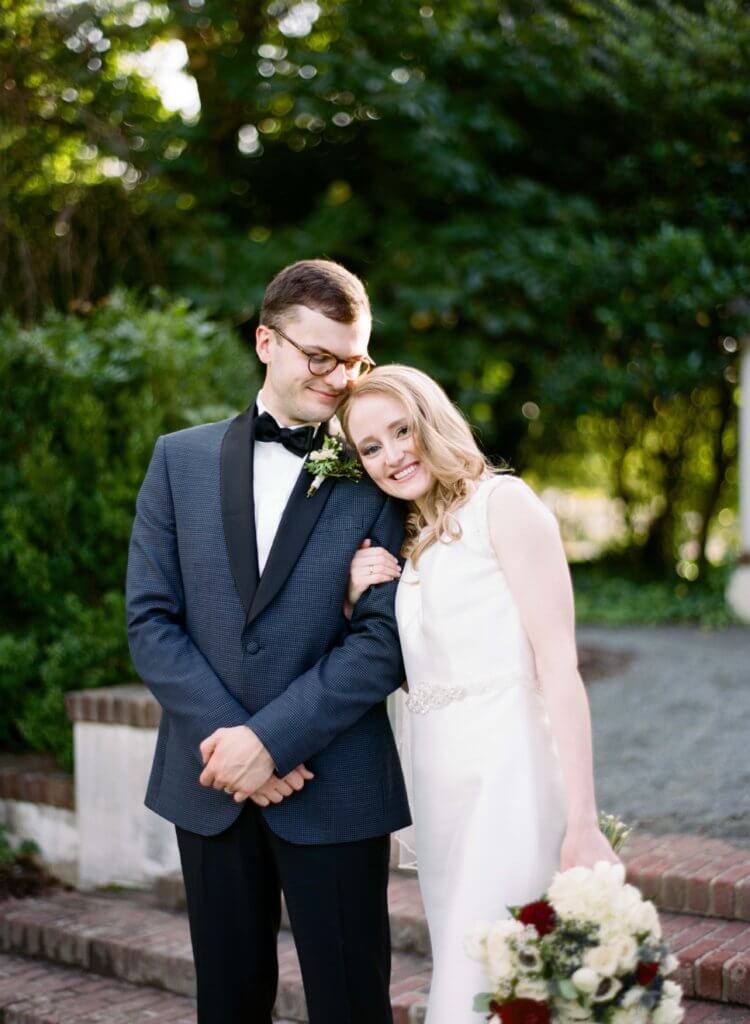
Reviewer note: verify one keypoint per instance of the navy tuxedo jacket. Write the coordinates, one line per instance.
(220, 646)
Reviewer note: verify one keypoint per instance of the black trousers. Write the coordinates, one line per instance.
(336, 896)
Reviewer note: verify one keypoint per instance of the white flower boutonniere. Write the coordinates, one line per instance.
(331, 460)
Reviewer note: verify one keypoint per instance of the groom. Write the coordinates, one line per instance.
(236, 584)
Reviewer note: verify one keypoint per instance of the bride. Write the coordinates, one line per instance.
(500, 733)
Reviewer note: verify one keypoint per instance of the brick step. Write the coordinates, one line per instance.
(33, 992)
(698, 1012)
(144, 945)
(409, 928)
(680, 873)
(691, 874)
(37, 992)
(714, 956)
(139, 944)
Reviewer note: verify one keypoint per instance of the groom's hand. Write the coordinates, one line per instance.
(276, 789)
(235, 760)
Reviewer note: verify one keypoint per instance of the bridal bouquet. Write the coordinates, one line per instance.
(589, 950)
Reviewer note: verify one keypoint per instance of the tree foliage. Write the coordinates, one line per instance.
(548, 200)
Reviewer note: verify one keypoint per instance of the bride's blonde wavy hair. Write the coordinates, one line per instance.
(445, 444)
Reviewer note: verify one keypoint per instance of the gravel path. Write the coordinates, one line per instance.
(671, 722)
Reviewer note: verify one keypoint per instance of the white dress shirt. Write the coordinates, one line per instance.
(275, 471)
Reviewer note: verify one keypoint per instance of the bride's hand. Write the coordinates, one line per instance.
(583, 847)
(370, 565)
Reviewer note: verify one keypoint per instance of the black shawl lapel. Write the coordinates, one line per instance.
(237, 507)
(300, 516)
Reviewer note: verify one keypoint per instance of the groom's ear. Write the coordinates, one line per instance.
(264, 340)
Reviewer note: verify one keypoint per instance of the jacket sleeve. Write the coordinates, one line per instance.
(347, 681)
(163, 654)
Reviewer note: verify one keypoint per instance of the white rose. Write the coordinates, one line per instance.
(628, 953)
(628, 897)
(633, 996)
(603, 959)
(612, 933)
(668, 1012)
(499, 965)
(532, 988)
(586, 980)
(571, 877)
(611, 874)
(596, 894)
(644, 918)
(318, 456)
(565, 888)
(671, 991)
(507, 927)
(500, 959)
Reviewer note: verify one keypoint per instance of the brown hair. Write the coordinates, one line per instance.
(322, 285)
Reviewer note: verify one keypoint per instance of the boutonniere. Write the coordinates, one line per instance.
(333, 459)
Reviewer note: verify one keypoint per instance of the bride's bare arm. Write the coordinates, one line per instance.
(526, 539)
(369, 566)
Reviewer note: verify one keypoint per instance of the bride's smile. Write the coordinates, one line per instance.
(386, 443)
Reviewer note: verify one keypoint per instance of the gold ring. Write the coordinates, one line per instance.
(229, 791)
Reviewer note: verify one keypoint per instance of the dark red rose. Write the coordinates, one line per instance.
(647, 971)
(523, 1011)
(541, 914)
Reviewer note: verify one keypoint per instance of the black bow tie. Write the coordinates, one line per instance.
(297, 440)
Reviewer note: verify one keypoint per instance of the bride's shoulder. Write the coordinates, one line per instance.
(511, 500)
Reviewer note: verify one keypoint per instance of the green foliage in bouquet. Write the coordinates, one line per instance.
(614, 830)
(84, 399)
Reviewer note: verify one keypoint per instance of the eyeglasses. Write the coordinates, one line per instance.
(320, 364)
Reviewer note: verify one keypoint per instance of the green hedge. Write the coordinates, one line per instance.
(610, 595)
(84, 398)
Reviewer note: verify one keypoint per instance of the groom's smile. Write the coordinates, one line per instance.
(332, 396)
(294, 392)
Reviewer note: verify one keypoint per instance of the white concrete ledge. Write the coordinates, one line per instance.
(120, 841)
(53, 829)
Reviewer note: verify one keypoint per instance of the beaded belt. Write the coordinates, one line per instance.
(422, 699)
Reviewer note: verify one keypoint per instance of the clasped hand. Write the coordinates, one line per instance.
(235, 761)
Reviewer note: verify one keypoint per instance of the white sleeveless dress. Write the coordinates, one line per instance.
(487, 791)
